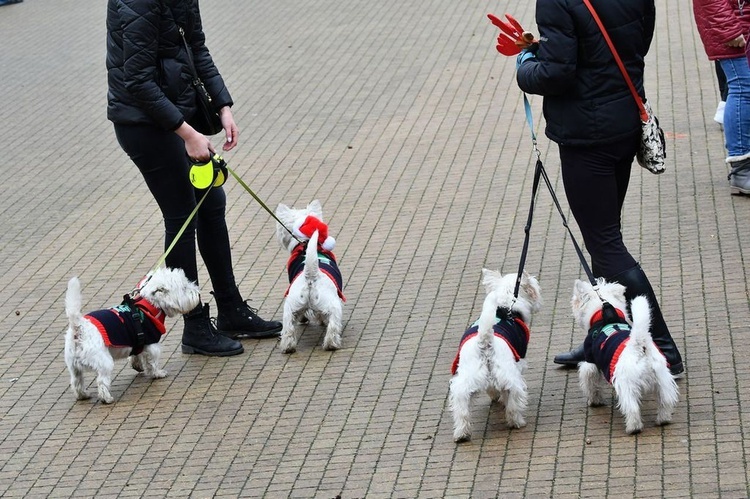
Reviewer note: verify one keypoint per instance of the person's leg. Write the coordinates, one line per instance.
(596, 181)
(235, 318)
(737, 123)
(721, 80)
(160, 157)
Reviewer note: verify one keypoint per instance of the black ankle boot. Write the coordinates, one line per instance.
(201, 337)
(636, 284)
(570, 359)
(239, 320)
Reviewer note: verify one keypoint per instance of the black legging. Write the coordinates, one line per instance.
(161, 158)
(596, 180)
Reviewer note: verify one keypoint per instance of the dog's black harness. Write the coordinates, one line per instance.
(607, 337)
(326, 263)
(133, 323)
(508, 327)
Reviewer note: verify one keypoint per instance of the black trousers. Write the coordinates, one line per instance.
(596, 181)
(161, 158)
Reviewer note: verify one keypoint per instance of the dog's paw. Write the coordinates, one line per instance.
(516, 423)
(332, 344)
(462, 437)
(136, 364)
(159, 374)
(287, 344)
(106, 399)
(596, 401)
(634, 429)
(83, 396)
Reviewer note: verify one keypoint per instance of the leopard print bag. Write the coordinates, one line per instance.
(652, 149)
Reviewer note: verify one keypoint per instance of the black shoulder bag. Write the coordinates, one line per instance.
(206, 119)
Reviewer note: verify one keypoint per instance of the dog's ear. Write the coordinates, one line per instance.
(530, 287)
(580, 294)
(489, 279)
(282, 210)
(618, 290)
(316, 209)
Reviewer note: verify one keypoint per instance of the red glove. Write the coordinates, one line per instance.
(513, 38)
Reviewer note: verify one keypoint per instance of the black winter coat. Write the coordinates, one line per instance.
(586, 99)
(148, 68)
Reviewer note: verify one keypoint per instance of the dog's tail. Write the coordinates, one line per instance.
(487, 321)
(73, 303)
(641, 314)
(312, 268)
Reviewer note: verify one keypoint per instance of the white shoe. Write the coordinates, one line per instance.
(719, 116)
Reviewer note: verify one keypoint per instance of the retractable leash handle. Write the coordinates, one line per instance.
(211, 173)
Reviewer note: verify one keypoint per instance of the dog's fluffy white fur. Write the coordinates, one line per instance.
(312, 297)
(641, 367)
(169, 290)
(486, 361)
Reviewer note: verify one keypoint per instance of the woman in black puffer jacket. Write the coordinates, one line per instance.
(591, 115)
(150, 101)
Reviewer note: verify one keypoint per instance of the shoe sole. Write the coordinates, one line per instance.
(736, 191)
(244, 335)
(570, 364)
(224, 353)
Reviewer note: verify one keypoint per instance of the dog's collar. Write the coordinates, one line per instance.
(607, 314)
(505, 313)
(155, 315)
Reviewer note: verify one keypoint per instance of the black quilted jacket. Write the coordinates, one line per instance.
(586, 99)
(147, 65)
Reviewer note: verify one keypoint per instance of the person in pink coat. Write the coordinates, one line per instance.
(724, 27)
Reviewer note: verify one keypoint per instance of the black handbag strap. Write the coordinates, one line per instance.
(190, 56)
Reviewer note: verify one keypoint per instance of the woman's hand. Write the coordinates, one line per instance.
(230, 128)
(738, 42)
(197, 145)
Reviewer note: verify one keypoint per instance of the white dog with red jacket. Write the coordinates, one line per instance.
(315, 293)
(622, 354)
(491, 356)
(131, 329)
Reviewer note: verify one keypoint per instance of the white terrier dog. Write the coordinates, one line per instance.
(134, 328)
(491, 355)
(620, 354)
(315, 290)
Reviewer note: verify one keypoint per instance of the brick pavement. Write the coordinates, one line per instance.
(405, 122)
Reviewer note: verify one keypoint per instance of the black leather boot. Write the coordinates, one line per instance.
(636, 284)
(570, 359)
(238, 320)
(201, 337)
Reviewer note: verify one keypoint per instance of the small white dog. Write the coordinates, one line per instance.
(492, 351)
(315, 290)
(133, 328)
(621, 354)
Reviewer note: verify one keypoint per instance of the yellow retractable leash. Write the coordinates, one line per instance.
(205, 176)
(212, 173)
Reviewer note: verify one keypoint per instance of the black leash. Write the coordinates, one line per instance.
(541, 173)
